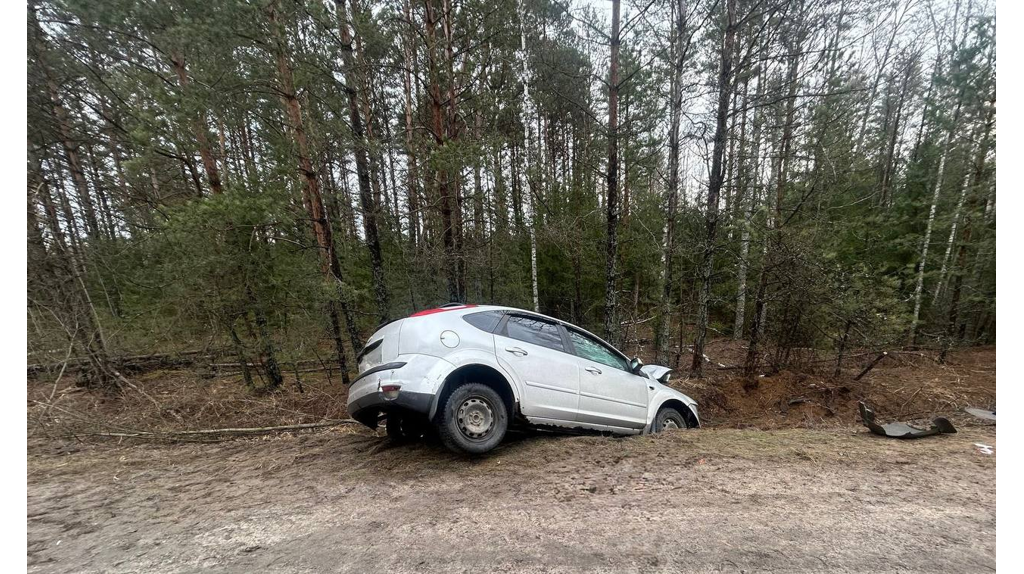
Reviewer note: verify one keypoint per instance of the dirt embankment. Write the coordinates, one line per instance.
(903, 385)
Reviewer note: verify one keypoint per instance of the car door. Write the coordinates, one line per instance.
(535, 351)
(609, 393)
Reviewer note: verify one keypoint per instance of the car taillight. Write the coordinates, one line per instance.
(390, 391)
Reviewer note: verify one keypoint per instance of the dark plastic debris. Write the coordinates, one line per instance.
(940, 425)
(981, 413)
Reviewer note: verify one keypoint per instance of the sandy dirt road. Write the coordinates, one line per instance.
(691, 501)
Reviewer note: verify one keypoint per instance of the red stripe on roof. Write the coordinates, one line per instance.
(439, 310)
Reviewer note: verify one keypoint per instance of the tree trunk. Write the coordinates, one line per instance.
(452, 125)
(243, 357)
(106, 217)
(745, 207)
(842, 348)
(366, 195)
(446, 197)
(951, 240)
(500, 200)
(888, 166)
(348, 212)
(65, 132)
(672, 195)
(773, 243)
(984, 259)
(268, 354)
(517, 189)
(954, 329)
(330, 266)
(926, 240)
(198, 127)
(412, 192)
(611, 327)
(715, 181)
(80, 321)
(531, 178)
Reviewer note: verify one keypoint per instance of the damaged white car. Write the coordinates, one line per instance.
(472, 371)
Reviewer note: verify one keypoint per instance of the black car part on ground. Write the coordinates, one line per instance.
(940, 425)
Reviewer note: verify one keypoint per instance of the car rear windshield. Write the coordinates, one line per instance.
(484, 320)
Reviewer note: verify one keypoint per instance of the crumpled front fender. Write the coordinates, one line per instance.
(662, 395)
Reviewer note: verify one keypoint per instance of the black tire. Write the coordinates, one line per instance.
(670, 418)
(473, 420)
(402, 428)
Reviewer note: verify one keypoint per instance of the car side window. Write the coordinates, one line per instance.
(484, 320)
(590, 349)
(535, 331)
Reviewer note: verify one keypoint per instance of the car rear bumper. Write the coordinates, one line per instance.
(367, 408)
(419, 377)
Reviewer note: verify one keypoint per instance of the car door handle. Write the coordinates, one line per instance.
(594, 370)
(517, 351)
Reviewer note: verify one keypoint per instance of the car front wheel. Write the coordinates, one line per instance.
(667, 419)
(473, 420)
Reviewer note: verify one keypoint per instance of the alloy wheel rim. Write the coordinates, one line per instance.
(475, 417)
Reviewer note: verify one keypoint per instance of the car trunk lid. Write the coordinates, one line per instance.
(381, 348)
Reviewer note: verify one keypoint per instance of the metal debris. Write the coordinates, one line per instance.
(981, 413)
(940, 425)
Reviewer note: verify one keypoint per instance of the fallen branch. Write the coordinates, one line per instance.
(259, 430)
(131, 385)
(238, 366)
(871, 365)
(172, 435)
(845, 358)
(906, 402)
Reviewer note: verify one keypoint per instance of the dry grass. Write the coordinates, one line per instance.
(179, 400)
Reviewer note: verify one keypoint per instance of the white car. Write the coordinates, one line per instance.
(471, 371)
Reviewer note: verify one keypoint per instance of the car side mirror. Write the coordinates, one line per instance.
(634, 365)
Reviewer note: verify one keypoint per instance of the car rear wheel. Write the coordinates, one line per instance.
(668, 418)
(473, 419)
(403, 428)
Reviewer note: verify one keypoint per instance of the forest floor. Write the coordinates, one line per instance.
(781, 479)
